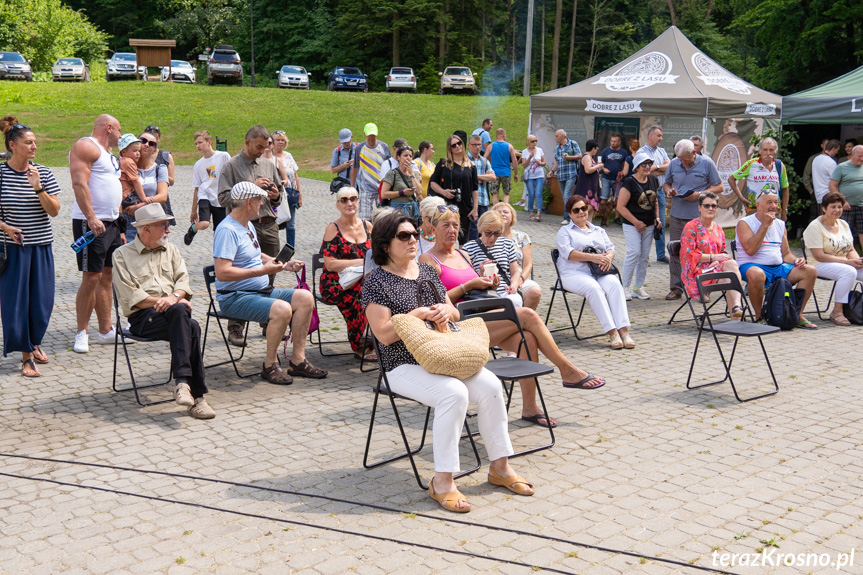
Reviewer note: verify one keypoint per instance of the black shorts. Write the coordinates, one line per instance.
(854, 217)
(206, 209)
(99, 254)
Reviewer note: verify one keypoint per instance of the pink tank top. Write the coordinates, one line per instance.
(452, 277)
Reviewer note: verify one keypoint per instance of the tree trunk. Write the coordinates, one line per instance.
(396, 42)
(512, 49)
(442, 41)
(597, 12)
(709, 10)
(482, 40)
(671, 13)
(571, 43)
(542, 50)
(555, 47)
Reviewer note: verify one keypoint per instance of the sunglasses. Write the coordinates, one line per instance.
(492, 234)
(455, 145)
(349, 199)
(445, 208)
(404, 236)
(20, 127)
(279, 133)
(254, 241)
(153, 129)
(645, 165)
(581, 209)
(531, 141)
(147, 142)
(709, 206)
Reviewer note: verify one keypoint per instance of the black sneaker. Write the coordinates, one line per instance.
(190, 235)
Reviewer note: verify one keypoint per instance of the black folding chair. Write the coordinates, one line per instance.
(120, 337)
(735, 329)
(510, 369)
(558, 287)
(368, 266)
(318, 265)
(409, 452)
(818, 309)
(673, 249)
(213, 312)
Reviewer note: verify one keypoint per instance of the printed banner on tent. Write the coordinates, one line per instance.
(712, 74)
(756, 109)
(647, 70)
(601, 107)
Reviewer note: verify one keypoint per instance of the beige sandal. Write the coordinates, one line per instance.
(628, 342)
(616, 342)
(515, 483)
(449, 501)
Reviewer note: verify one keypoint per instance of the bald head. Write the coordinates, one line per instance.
(106, 129)
(856, 158)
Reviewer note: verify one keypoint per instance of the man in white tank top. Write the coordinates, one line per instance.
(95, 173)
(763, 255)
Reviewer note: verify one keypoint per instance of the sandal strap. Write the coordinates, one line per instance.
(306, 367)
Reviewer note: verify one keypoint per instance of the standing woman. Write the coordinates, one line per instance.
(423, 162)
(637, 205)
(533, 164)
(588, 185)
(455, 180)
(163, 158)
(28, 197)
(288, 169)
(401, 186)
(154, 180)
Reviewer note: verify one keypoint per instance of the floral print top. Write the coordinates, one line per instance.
(695, 241)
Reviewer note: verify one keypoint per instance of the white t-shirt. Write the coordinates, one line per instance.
(205, 176)
(770, 253)
(106, 192)
(533, 170)
(822, 168)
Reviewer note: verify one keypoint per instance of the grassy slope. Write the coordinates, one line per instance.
(61, 113)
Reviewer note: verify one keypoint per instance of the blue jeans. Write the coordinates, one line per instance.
(252, 306)
(607, 189)
(291, 226)
(660, 243)
(410, 209)
(566, 187)
(473, 232)
(533, 188)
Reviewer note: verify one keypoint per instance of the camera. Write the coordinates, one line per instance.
(457, 196)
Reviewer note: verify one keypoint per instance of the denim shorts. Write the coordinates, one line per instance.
(252, 306)
(772, 272)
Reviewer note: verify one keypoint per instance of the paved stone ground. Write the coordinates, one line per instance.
(642, 465)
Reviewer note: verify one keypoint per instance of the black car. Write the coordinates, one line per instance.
(347, 78)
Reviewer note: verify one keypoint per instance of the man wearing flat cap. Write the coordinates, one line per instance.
(152, 287)
(243, 291)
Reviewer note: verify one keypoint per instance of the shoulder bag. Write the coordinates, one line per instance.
(459, 352)
(339, 182)
(595, 270)
(503, 274)
(853, 310)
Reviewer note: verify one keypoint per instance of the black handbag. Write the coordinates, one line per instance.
(595, 269)
(476, 294)
(339, 182)
(853, 310)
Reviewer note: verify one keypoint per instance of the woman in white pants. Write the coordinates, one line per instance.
(637, 205)
(830, 248)
(392, 289)
(604, 293)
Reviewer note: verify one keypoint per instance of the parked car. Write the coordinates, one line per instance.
(122, 65)
(15, 66)
(457, 79)
(293, 77)
(401, 79)
(71, 70)
(181, 71)
(225, 63)
(347, 78)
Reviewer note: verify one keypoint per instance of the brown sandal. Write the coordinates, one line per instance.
(449, 501)
(516, 483)
(839, 319)
(306, 369)
(275, 374)
(39, 355)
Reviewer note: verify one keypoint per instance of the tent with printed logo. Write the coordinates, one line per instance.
(839, 101)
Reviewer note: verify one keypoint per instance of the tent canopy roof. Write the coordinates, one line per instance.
(838, 101)
(668, 77)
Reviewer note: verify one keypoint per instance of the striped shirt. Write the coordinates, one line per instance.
(503, 252)
(21, 206)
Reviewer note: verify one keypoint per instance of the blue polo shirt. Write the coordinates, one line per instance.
(700, 176)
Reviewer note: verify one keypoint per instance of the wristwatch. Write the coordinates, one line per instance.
(176, 295)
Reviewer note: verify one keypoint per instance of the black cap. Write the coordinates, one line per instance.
(461, 135)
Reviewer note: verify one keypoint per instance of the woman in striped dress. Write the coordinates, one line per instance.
(28, 196)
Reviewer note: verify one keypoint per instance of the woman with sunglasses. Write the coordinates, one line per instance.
(154, 180)
(163, 157)
(459, 278)
(455, 180)
(604, 293)
(393, 289)
(702, 250)
(400, 186)
(288, 169)
(533, 163)
(28, 199)
(523, 253)
(637, 205)
(345, 244)
(492, 248)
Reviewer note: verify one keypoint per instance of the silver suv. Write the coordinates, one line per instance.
(14, 65)
(122, 65)
(225, 63)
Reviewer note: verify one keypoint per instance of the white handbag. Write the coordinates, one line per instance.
(350, 276)
(283, 211)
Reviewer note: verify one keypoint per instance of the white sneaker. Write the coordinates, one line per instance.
(628, 295)
(82, 342)
(640, 293)
(183, 395)
(564, 222)
(108, 338)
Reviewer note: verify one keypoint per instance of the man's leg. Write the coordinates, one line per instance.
(675, 230)
(104, 300)
(566, 192)
(755, 279)
(507, 188)
(660, 243)
(803, 277)
(85, 299)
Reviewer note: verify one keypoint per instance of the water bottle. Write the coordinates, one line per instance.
(80, 243)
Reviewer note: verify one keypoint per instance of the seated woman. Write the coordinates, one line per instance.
(346, 241)
(830, 248)
(604, 293)
(458, 277)
(428, 208)
(392, 289)
(491, 248)
(401, 186)
(531, 292)
(702, 250)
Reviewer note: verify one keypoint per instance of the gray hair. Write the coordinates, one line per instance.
(256, 132)
(696, 139)
(382, 211)
(652, 129)
(429, 206)
(684, 146)
(561, 131)
(768, 141)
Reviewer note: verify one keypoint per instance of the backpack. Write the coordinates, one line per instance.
(780, 307)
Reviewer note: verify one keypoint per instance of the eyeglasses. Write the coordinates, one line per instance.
(709, 206)
(254, 241)
(492, 234)
(147, 142)
(455, 145)
(404, 236)
(531, 141)
(445, 208)
(349, 199)
(581, 209)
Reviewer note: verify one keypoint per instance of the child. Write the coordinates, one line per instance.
(130, 151)
(205, 197)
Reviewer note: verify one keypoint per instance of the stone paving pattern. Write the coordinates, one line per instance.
(642, 465)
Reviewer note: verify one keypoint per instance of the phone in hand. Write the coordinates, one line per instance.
(285, 254)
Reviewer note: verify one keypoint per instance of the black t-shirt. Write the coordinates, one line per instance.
(456, 177)
(642, 199)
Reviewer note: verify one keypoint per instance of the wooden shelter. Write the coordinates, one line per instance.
(152, 53)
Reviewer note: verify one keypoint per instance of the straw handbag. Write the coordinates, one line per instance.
(460, 352)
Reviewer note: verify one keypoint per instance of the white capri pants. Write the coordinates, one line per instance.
(450, 397)
(604, 294)
(637, 253)
(845, 275)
